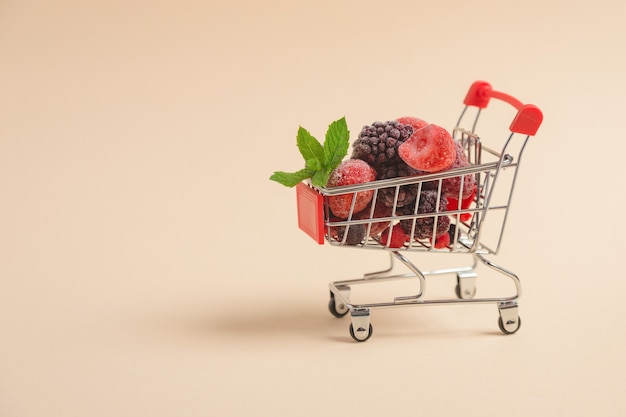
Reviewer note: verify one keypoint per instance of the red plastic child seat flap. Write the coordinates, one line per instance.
(310, 212)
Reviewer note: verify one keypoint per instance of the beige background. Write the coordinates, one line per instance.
(148, 266)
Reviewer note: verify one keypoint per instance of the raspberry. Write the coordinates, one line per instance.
(350, 172)
(378, 143)
(429, 149)
(406, 193)
(424, 225)
(398, 237)
(451, 187)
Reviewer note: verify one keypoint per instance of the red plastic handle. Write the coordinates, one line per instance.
(528, 118)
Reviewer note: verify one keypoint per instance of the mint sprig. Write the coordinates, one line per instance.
(320, 160)
(336, 142)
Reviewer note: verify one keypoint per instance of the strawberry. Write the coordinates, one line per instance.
(429, 149)
(414, 122)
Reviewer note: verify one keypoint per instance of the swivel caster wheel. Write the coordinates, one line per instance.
(511, 325)
(466, 285)
(337, 309)
(361, 334)
(509, 321)
(361, 328)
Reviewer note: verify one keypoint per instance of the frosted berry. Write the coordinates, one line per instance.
(398, 237)
(424, 226)
(451, 187)
(380, 211)
(378, 143)
(442, 241)
(406, 193)
(414, 122)
(350, 172)
(429, 149)
(356, 234)
(453, 204)
(452, 232)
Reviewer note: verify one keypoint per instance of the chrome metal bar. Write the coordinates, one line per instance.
(511, 190)
(415, 270)
(399, 181)
(380, 273)
(500, 269)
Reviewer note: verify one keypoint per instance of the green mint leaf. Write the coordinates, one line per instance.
(291, 179)
(336, 144)
(313, 164)
(309, 147)
(320, 178)
(319, 159)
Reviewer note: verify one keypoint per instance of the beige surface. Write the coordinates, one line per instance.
(149, 268)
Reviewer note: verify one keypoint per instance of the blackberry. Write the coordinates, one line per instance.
(406, 193)
(356, 234)
(452, 231)
(424, 225)
(377, 144)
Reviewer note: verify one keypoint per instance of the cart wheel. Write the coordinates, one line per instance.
(511, 326)
(466, 285)
(337, 311)
(466, 294)
(360, 335)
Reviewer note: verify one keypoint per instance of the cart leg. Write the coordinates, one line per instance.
(382, 272)
(498, 268)
(360, 328)
(466, 284)
(509, 321)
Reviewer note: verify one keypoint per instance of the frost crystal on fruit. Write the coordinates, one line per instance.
(350, 172)
(378, 143)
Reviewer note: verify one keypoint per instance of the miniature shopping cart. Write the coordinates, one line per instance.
(475, 227)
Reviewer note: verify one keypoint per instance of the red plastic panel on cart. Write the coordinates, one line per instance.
(310, 212)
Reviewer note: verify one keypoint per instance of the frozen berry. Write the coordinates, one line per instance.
(452, 232)
(356, 234)
(424, 226)
(429, 149)
(378, 143)
(397, 239)
(406, 194)
(442, 241)
(453, 204)
(451, 187)
(380, 211)
(414, 122)
(350, 172)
